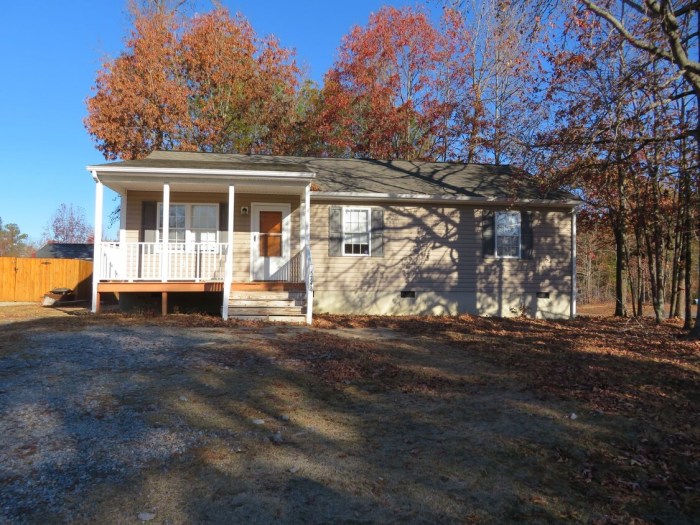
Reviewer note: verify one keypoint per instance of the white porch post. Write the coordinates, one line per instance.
(125, 273)
(228, 271)
(302, 231)
(308, 265)
(573, 263)
(164, 257)
(97, 250)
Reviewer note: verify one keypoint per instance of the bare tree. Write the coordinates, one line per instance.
(68, 224)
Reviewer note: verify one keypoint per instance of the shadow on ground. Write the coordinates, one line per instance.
(436, 420)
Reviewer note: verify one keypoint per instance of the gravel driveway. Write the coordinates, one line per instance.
(179, 420)
(75, 409)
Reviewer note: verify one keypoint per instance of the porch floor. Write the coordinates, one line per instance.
(192, 286)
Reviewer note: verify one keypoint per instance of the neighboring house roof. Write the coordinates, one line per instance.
(367, 176)
(65, 250)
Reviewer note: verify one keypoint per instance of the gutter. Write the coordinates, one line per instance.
(199, 171)
(420, 197)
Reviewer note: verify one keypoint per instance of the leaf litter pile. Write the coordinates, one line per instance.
(400, 419)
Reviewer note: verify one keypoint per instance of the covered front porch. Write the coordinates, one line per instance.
(234, 232)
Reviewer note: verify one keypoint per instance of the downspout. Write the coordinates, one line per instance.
(309, 265)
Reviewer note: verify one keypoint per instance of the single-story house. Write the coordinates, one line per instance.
(278, 237)
(66, 250)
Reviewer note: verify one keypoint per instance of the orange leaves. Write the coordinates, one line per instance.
(206, 83)
(386, 95)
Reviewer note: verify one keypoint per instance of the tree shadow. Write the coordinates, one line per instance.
(444, 419)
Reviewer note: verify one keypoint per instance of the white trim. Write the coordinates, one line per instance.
(166, 233)
(520, 235)
(286, 210)
(201, 171)
(228, 275)
(369, 231)
(573, 264)
(97, 255)
(488, 201)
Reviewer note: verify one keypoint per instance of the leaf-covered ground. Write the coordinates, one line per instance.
(356, 420)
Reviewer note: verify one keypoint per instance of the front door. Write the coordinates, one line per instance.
(269, 242)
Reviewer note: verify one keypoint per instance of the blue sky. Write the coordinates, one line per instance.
(50, 52)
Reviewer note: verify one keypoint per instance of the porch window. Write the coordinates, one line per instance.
(177, 229)
(508, 234)
(204, 227)
(190, 223)
(356, 231)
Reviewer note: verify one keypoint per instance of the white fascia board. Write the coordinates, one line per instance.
(204, 172)
(417, 197)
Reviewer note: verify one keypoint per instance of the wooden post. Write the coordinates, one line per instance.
(164, 303)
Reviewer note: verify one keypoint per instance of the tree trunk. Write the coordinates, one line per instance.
(620, 310)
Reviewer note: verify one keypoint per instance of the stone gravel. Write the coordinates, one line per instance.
(76, 410)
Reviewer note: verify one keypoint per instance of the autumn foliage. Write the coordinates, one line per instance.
(391, 92)
(207, 84)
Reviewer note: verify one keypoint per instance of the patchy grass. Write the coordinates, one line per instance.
(386, 419)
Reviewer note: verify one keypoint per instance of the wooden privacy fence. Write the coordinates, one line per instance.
(23, 279)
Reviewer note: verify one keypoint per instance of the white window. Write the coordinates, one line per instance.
(204, 219)
(356, 231)
(508, 234)
(190, 223)
(177, 230)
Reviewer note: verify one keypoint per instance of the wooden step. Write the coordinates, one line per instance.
(246, 310)
(292, 319)
(271, 286)
(266, 303)
(256, 296)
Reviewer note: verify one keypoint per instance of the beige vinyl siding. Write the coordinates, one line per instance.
(241, 223)
(436, 251)
(424, 248)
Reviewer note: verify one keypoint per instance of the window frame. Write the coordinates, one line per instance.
(367, 209)
(496, 234)
(190, 233)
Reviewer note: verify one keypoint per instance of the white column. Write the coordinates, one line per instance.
(573, 263)
(97, 250)
(164, 256)
(125, 272)
(308, 263)
(302, 231)
(228, 272)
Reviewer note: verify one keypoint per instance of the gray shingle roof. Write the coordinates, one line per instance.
(370, 176)
(65, 250)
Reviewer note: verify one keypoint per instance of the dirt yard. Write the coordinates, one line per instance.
(115, 419)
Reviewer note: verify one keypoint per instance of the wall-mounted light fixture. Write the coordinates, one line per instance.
(244, 210)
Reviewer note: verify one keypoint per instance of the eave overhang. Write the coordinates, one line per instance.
(452, 199)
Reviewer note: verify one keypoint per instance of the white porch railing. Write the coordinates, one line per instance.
(142, 261)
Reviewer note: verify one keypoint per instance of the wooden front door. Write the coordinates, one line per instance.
(269, 254)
